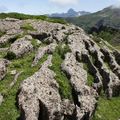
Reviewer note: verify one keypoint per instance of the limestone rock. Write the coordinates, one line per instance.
(85, 96)
(3, 68)
(5, 39)
(21, 46)
(39, 97)
(44, 50)
(13, 72)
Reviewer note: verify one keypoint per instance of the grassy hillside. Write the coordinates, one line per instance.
(25, 16)
(110, 35)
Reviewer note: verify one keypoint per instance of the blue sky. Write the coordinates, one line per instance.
(52, 6)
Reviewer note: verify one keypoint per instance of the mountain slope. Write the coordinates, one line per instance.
(109, 17)
(103, 24)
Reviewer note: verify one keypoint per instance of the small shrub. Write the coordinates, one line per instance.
(10, 55)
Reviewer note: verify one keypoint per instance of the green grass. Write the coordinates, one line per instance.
(108, 109)
(107, 65)
(90, 78)
(35, 44)
(2, 54)
(8, 109)
(64, 85)
(27, 26)
(25, 16)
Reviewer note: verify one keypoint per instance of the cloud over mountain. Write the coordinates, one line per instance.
(117, 5)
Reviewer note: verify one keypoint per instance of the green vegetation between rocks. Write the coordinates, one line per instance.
(90, 78)
(27, 26)
(35, 43)
(8, 109)
(64, 85)
(108, 109)
(2, 54)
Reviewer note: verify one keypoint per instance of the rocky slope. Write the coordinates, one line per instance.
(39, 94)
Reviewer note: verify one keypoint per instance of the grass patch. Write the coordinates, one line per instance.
(8, 109)
(2, 54)
(27, 26)
(63, 51)
(108, 109)
(35, 43)
(107, 65)
(64, 85)
(90, 78)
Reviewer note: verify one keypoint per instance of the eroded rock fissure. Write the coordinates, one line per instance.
(109, 79)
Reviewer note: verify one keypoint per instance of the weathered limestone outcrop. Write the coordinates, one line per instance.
(8, 24)
(97, 83)
(39, 96)
(111, 61)
(3, 68)
(85, 96)
(21, 46)
(5, 38)
(109, 79)
(44, 50)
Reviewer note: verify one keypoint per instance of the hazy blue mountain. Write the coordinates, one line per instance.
(70, 13)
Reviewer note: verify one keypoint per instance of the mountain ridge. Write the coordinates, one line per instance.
(70, 13)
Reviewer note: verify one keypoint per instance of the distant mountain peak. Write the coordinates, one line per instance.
(70, 13)
(71, 10)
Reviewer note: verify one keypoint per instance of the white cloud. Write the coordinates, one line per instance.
(117, 5)
(64, 2)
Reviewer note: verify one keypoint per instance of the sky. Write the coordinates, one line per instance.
(53, 6)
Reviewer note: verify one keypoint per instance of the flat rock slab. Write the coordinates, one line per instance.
(21, 46)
